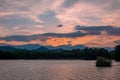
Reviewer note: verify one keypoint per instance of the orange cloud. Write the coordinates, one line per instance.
(102, 40)
(90, 41)
(13, 42)
(20, 42)
(72, 41)
(58, 41)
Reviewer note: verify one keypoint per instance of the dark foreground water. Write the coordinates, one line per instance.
(56, 70)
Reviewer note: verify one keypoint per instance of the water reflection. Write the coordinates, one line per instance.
(56, 70)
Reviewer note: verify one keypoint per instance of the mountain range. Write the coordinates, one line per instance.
(36, 46)
(41, 48)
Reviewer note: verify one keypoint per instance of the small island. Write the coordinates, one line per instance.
(106, 62)
(103, 62)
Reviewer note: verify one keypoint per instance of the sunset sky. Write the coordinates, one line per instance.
(93, 23)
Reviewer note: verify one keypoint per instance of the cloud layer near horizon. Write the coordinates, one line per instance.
(96, 36)
(29, 17)
(89, 41)
(24, 17)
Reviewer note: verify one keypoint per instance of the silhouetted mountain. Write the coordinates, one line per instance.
(28, 46)
(7, 48)
(67, 47)
(41, 49)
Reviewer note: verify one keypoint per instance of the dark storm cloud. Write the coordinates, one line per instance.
(74, 34)
(96, 30)
(41, 37)
(16, 38)
(91, 30)
(23, 38)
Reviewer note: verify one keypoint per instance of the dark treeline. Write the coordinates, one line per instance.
(84, 54)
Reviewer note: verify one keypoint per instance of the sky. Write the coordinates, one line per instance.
(75, 22)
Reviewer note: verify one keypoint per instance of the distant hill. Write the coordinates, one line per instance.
(67, 47)
(28, 46)
(41, 49)
(44, 48)
(7, 48)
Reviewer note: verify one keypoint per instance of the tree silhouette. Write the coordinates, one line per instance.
(117, 53)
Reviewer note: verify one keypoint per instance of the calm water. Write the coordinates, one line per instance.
(56, 70)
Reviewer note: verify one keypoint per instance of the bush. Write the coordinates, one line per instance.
(103, 62)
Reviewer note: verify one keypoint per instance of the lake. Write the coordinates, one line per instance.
(56, 70)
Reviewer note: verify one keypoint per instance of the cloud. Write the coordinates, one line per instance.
(109, 5)
(40, 36)
(16, 43)
(3, 31)
(26, 13)
(103, 41)
(29, 8)
(117, 42)
(60, 26)
(48, 18)
(80, 31)
(80, 13)
(20, 30)
(69, 3)
(57, 4)
(30, 17)
(13, 20)
(95, 41)
(87, 13)
(84, 12)
(96, 30)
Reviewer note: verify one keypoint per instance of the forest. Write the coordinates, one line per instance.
(82, 54)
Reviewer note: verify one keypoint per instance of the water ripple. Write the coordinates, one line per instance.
(56, 70)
